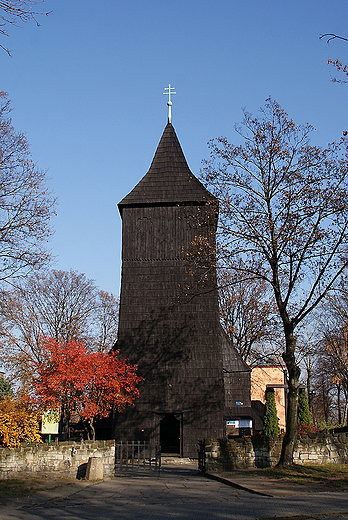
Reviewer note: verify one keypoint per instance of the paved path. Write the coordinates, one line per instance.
(179, 493)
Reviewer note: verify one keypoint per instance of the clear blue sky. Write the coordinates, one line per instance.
(87, 87)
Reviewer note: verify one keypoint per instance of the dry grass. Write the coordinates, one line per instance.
(306, 517)
(332, 475)
(24, 487)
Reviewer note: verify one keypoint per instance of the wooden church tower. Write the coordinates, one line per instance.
(169, 317)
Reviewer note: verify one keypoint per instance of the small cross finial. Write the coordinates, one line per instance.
(169, 103)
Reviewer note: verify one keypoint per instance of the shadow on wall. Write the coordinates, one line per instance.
(159, 342)
(195, 398)
(263, 451)
(258, 409)
(182, 372)
(247, 452)
(81, 471)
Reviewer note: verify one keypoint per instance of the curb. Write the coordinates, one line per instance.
(223, 480)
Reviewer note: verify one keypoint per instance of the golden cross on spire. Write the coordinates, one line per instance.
(169, 103)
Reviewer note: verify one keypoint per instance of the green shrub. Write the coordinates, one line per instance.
(5, 388)
(270, 419)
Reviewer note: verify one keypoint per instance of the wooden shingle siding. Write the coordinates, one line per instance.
(169, 178)
(175, 340)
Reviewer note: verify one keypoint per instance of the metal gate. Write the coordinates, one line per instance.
(137, 457)
(201, 456)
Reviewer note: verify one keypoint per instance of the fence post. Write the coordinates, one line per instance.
(201, 456)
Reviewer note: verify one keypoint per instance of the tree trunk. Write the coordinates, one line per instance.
(309, 391)
(287, 453)
(345, 413)
(92, 428)
(87, 429)
(339, 404)
(65, 422)
(325, 402)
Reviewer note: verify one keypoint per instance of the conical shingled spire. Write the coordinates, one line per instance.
(169, 179)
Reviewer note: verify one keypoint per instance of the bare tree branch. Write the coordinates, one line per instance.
(26, 205)
(332, 36)
(13, 12)
(63, 305)
(283, 218)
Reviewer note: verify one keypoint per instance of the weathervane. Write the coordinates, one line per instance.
(169, 103)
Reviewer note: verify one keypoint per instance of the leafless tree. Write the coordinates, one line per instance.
(64, 305)
(14, 12)
(308, 346)
(284, 212)
(336, 63)
(26, 205)
(247, 315)
(335, 345)
(106, 321)
(324, 398)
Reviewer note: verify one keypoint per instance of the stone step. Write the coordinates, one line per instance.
(176, 461)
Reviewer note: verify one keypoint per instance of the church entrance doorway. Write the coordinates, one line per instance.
(170, 434)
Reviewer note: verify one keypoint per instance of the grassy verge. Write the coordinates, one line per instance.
(333, 475)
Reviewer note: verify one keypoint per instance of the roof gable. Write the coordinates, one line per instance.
(169, 179)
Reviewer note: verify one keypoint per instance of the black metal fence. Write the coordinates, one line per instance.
(201, 456)
(137, 457)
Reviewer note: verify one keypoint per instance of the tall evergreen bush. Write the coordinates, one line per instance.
(5, 388)
(270, 419)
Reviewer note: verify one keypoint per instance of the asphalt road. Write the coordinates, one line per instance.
(179, 493)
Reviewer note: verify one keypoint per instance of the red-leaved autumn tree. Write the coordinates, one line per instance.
(91, 384)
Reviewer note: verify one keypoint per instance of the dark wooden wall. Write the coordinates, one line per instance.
(169, 316)
(169, 327)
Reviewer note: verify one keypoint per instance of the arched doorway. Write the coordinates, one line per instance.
(170, 434)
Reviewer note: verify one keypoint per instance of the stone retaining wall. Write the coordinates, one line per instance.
(66, 459)
(261, 452)
(69, 459)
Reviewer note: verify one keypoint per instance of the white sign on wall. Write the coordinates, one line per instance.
(50, 422)
(242, 423)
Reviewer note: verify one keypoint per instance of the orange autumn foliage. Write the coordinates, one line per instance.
(339, 66)
(19, 422)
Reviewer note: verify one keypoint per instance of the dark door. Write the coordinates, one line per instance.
(170, 434)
